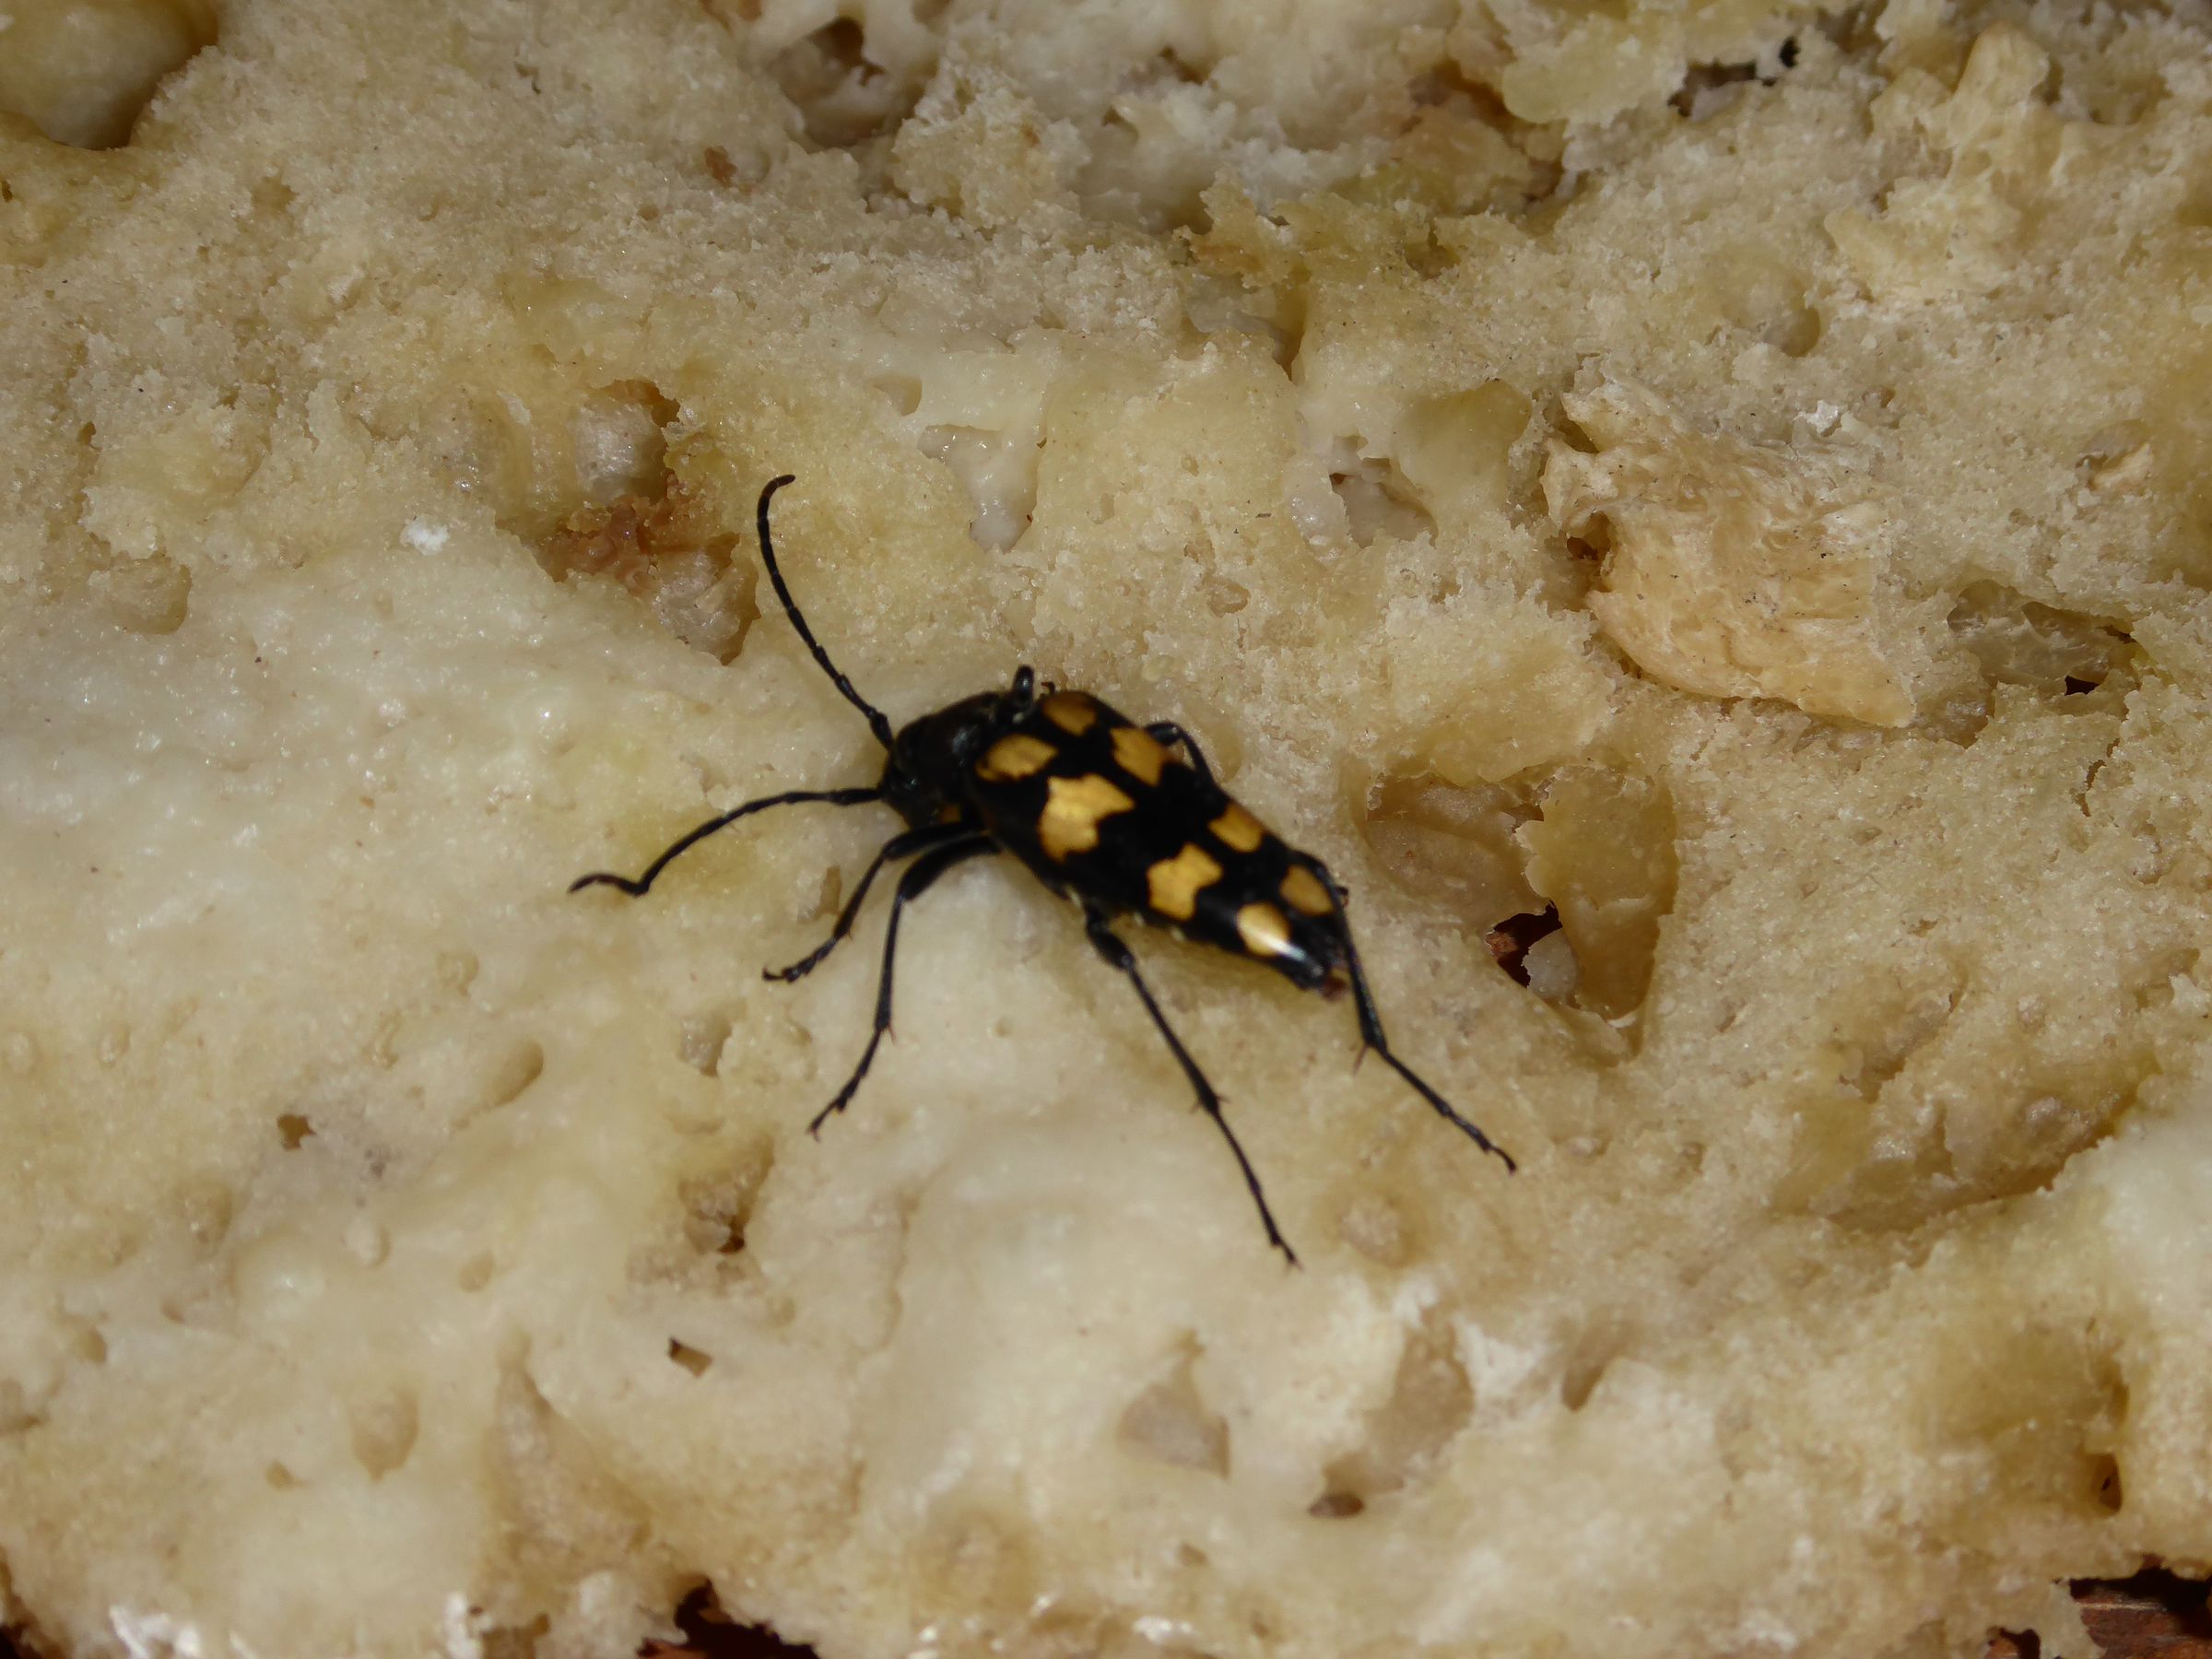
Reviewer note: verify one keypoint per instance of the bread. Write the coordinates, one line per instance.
(1729, 479)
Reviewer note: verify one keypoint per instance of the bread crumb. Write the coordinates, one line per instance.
(1710, 499)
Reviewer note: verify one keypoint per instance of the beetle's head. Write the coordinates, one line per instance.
(925, 776)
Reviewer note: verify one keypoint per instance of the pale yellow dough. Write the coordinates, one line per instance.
(1733, 472)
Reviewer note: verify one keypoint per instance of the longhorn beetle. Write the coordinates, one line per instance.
(1103, 812)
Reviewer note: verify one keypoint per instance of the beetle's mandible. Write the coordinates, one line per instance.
(1103, 812)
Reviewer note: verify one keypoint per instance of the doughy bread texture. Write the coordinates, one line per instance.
(1711, 493)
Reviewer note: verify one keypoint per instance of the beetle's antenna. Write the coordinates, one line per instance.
(876, 722)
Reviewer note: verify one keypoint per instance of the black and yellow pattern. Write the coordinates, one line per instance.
(1101, 808)
(1102, 811)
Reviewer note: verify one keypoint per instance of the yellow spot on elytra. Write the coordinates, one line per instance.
(1139, 755)
(1014, 758)
(1073, 808)
(1237, 829)
(1173, 883)
(1305, 892)
(1264, 931)
(1072, 712)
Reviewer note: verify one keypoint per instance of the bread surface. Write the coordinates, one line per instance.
(1731, 478)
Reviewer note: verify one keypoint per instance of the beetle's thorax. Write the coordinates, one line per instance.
(925, 776)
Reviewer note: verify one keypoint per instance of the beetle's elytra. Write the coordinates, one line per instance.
(1102, 811)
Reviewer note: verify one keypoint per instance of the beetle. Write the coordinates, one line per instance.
(1102, 811)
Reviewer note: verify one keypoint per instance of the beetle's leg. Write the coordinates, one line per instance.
(898, 846)
(912, 886)
(1111, 945)
(1371, 1028)
(684, 844)
(1168, 733)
